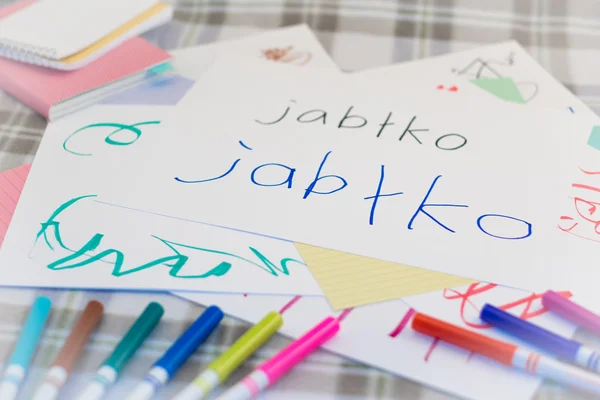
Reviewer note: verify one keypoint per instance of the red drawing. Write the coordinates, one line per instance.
(402, 324)
(585, 220)
(289, 304)
(344, 314)
(434, 344)
(452, 88)
(474, 289)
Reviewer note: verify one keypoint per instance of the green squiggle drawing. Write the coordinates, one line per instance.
(88, 254)
(109, 138)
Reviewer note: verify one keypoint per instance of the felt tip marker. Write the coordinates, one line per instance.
(270, 371)
(563, 348)
(220, 369)
(572, 312)
(177, 354)
(68, 355)
(16, 366)
(508, 354)
(109, 371)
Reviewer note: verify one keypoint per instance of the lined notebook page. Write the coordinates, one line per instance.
(60, 28)
(349, 280)
(11, 185)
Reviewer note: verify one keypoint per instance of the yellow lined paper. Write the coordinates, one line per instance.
(349, 280)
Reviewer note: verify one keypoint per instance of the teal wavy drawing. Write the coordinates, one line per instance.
(175, 260)
(109, 139)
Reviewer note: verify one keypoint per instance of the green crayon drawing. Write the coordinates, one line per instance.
(177, 258)
(110, 138)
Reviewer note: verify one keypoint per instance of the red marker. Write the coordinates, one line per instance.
(507, 353)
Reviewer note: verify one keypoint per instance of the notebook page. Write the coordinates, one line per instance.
(64, 27)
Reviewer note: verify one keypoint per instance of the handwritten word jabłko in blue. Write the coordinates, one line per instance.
(520, 228)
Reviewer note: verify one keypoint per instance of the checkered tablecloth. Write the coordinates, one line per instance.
(563, 35)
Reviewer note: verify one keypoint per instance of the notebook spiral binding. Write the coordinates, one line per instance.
(23, 51)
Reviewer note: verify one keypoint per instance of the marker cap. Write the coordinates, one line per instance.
(499, 351)
(572, 311)
(193, 337)
(87, 323)
(533, 334)
(134, 338)
(31, 332)
(300, 349)
(246, 345)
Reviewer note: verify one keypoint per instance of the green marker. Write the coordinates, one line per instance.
(131, 342)
(220, 369)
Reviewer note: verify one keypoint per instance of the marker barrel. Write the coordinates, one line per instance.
(548, 341)
(68, 355)
(126, 348)
(220, 369)
(134, 338)
(300, 349)
(571, 311)
(270, 371)
(480, 344)
(177, 354)
(24, 350)
(191, 339)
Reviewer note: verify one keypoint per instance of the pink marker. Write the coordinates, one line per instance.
(270, 371)
(571, 311)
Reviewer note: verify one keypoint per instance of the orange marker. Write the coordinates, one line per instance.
(508, 354)
(68, 355)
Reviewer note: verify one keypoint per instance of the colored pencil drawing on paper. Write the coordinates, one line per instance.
(178, 257)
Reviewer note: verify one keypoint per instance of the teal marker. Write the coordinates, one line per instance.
(111, 368)
(17, 365)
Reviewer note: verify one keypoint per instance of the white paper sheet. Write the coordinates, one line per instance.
(71, 236)
(479, 188)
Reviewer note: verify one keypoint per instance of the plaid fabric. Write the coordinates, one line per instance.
(563, 36)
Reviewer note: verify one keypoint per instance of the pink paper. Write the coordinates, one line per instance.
(11, 186)
(13, 8)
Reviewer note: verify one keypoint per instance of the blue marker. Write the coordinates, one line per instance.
(17, 365)
(563, 348)
(177, 354)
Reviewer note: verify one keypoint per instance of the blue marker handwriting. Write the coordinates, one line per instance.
(336, 183)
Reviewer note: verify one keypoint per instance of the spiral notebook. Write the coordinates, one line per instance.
(49, 31)
(56, 93)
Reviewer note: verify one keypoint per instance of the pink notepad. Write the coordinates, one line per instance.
(11, 185)
(54, 93)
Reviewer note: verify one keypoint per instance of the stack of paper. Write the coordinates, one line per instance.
(79, 53)
(262, 178)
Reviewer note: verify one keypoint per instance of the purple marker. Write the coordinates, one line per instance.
(571, 311)
(566, 349)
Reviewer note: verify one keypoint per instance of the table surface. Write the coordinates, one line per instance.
(358, 34)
